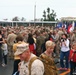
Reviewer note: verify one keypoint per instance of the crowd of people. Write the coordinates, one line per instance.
(23, 43)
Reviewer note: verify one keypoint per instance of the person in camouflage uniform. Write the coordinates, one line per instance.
(10, 41)
(47, 58)
(39, 41)
(72, 38)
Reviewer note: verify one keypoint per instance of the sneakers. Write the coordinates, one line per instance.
(63, 69)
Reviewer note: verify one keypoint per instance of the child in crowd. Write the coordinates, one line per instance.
(5, 52)
(72, 59)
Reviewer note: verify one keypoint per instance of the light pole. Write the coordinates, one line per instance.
(34, 13)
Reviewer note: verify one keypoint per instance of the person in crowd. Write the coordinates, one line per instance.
(43, 47)
(2, 32)
(1, 42)
(51, 36)
(57, 47)
(60, 32)
(46, 38)
(34, 37)
(64, 44)
(19, 40)
(72, 58)
(4, 52)
(40, 39)
(48, 60)
(31, 43)
(72, 37)
(10, 41)
(37, 67)
(25, 35)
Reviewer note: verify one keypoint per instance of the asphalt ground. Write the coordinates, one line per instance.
(7, 70)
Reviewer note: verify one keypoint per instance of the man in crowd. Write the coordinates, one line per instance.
(37, 67)
(10, 41)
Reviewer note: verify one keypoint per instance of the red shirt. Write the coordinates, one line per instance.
(72, 56)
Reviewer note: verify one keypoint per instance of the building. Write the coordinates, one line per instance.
(27, 23)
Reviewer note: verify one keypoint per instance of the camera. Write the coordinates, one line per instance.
(62, 40)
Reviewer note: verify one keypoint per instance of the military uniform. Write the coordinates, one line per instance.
(72, 38)
(10, 41)
(39, 41)
(37, 67)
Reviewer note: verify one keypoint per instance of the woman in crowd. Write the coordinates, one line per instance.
(72, 59)
(19, 40)
(64, 44)
(31, 43)
(1, 42)
(4, 52)
(47, 58)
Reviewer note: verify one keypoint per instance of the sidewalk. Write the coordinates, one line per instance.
(9, 68)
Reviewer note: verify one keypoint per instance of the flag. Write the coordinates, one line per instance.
(71, 27)
(64, 26)
(59, 25)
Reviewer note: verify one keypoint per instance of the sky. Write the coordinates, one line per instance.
(25, 8)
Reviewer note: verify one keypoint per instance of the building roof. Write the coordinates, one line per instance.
(68, 18)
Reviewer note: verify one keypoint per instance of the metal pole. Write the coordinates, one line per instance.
(12, 23)
(34, 13)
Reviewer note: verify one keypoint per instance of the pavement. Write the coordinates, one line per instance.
(7, 70)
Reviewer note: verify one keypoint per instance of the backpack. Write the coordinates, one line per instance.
(49, 66)
(30, 63)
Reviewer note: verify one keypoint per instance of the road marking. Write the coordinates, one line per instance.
(66, 72)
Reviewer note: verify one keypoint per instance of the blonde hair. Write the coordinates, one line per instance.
(74, 43)
(49, 44)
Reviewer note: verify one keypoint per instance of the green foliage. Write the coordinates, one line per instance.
(15, 18)
(44, 15)
(23, 19)
(49, 16)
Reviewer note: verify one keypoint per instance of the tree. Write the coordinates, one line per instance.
(53, 15)
(50, 16)
(44, 15)
(41, 19)
(15, 19)
(23, 19)
(48, 13)
(57, 19)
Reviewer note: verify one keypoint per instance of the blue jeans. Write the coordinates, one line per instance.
(66, 55)
(15, 68)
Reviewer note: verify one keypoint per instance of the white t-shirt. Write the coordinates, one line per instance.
(65, 48)
(5, 49)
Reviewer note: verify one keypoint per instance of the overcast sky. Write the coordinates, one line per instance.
(25, 8)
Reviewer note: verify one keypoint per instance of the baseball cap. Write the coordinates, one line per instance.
(21, 48)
